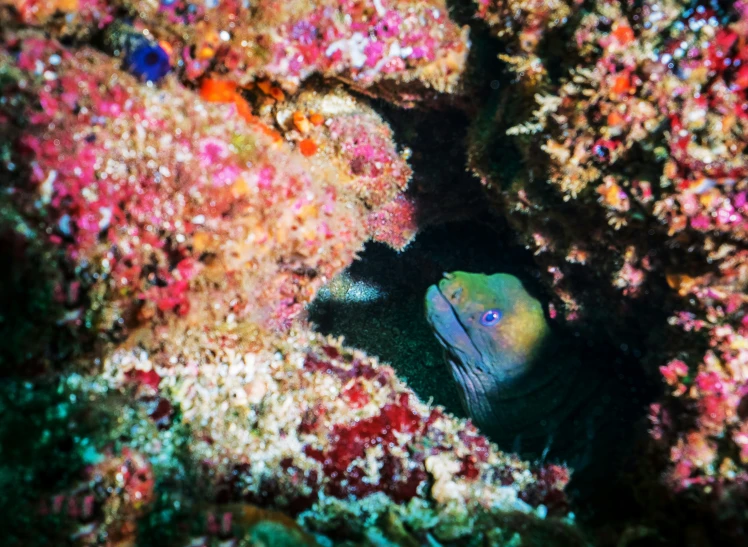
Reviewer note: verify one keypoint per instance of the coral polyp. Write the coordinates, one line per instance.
(147, 61)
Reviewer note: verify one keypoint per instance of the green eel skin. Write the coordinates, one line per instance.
(518, 382)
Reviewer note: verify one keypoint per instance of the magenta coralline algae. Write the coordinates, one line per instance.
(198, 200)
(185, 210)
(395, 223)
(350, 136)
(399, 49)
(712, 451)
(643, 145)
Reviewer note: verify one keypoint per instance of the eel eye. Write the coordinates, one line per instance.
(490, 318)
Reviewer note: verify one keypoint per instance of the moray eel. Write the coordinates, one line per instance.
(518, 382)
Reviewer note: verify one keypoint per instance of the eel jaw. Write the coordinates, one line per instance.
(464, 360)
(449, 331)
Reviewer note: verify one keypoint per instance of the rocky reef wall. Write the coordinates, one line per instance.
(630, 121)
(180, 179)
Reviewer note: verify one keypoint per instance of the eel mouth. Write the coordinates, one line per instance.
(448, 328)
(462, 356)
(442, 317)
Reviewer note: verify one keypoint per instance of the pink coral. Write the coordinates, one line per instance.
(413, 41)
(201, 201)
(643, 142)
(395, 223)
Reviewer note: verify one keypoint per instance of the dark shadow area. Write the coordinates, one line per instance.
(35, 336)
(391, 323)
(379, 308)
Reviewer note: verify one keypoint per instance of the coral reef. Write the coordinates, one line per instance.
(306, 424)
(180, 179)
(414, 49)
(176, 198)
(207, 209)
(632, 197)
(334, 128)
(197, 428)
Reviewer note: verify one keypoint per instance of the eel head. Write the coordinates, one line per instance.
(489, 325)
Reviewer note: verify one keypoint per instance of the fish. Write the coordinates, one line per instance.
(519, 381)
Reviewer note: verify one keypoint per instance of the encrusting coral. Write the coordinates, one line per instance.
(176, 210)
(414, 49)
(314, 428)
(208, 203)
(635, 193)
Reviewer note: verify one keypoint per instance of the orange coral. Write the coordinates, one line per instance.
(218, 91)
(308, 147)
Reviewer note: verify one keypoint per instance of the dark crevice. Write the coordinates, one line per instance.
(378, 304)
(390, 322)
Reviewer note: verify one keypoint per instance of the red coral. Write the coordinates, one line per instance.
(548, 489)
(344, 465)
(468, 468)
(348, 369)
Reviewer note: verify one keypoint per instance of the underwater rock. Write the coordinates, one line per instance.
(256, 422)
(304, 420)
(180, 179)
(628, 137)
(145, 197)
(414, 51)
(703, 421)
(395, 223)
(78, 18)
(352, 137)
(631, 122)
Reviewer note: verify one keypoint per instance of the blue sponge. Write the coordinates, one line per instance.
(148, 61)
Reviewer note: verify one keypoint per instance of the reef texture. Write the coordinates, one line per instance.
(140, 194)
(191, 429)
(404, 50)
(323, 432)
(632, 119)
(164, 229)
